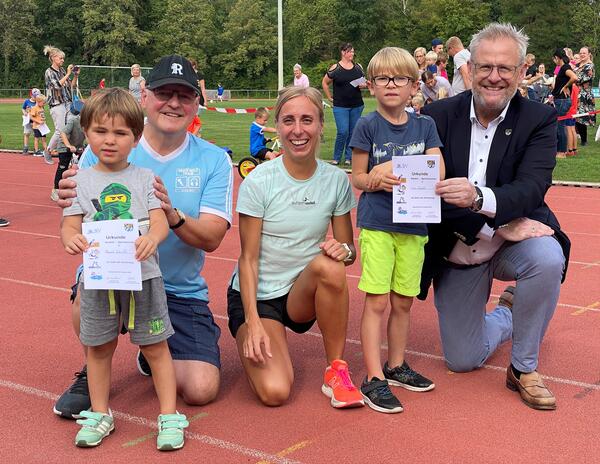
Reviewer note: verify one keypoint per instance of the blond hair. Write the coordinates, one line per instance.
(288, 93)
(40, 98)
(418, 100)
(110, 103)
(454, 42)
(431, 55)
(52, 51)
(393, 60)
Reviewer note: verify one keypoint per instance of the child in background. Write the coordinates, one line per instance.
(69, 144)
(220, 91)
(441, 62)
(258, 142)
(27, 129)
(392, 253)
(38, 118)
(430, 59)
(114, 189)
(195, 126)
(570, 123)
(417, 103)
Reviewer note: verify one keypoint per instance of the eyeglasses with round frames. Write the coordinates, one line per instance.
(383, 81)
(504, 71)
(164, 95)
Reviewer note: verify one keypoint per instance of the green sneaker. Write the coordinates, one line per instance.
(96, 426)
(170, 431)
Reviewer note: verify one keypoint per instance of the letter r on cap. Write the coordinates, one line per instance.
(176, 68)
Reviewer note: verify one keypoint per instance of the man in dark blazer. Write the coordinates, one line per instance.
(499, 150)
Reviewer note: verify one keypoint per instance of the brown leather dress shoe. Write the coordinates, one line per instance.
(532, 390)
(506, 299)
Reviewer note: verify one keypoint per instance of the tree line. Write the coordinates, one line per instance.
(235, 41)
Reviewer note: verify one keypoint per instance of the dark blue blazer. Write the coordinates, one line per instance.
(519, 171)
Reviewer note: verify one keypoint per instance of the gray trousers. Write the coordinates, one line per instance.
(58, 113)
(470, 334)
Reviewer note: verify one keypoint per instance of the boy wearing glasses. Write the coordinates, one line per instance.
(391, 253)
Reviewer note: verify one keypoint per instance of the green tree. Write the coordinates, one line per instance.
(110, 32)
(249, 44)
(188, 29)
(548, 24)
(586, 24)
(16, 24)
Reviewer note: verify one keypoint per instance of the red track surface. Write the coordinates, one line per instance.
(468, 417)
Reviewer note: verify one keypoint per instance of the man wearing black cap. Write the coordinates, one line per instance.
(195, 185)
(437, 45)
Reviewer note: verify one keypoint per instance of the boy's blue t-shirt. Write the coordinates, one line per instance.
(257, 138)
(199, 179)
(28, 104)
(382, 140)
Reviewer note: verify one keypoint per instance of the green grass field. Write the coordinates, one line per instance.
(232, 130)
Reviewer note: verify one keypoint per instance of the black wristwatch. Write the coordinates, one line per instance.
(478, 201)
(181, 219)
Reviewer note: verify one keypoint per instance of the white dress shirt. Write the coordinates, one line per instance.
(479, 152)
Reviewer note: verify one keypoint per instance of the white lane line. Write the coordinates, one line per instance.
(206, 439)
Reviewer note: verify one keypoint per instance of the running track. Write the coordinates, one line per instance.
(467, 418)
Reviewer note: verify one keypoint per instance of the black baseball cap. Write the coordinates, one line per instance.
(173, 69)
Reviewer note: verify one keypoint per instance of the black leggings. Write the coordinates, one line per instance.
(64, 159)
(582, 131)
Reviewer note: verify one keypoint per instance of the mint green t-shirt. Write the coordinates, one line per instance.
(296, 215)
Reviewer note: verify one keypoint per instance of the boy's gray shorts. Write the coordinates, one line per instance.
(151, 317)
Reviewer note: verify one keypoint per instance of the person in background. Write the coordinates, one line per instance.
(300, 79)
(461, 56)
(531, 75)
(417, 103)
(347, 79)
(220, 92)
(59, 89)
(431, 87)
(419, 55)
(570, 122)
(430, 60)
(585, 78)
(437, 45)
(38, 120)
(27, 129)
(137, 83)
(102, 84)
(442, 62)
(201, 83)
(70, 144)
(561, 96)
(258, 141)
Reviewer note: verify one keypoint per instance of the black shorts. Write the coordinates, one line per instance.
(37, 134)
(261, 154)
(275, 309)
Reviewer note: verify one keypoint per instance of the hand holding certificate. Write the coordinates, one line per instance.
(414, 199)
(109, 263)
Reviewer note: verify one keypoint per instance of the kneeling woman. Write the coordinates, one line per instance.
(289, 274)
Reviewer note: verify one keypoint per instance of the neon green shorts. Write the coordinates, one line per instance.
(391, 261)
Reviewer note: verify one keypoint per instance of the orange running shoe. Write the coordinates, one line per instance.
(338, 386)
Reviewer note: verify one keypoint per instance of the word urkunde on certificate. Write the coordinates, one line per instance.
(109, 263)
(414, 199)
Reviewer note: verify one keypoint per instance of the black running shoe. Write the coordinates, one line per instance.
(378, 396)
(143, 365)
(76, 398)
(404, 376)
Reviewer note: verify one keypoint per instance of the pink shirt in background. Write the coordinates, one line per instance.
(301, 81)
(442, 72)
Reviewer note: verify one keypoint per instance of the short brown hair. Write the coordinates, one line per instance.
(261, 112)
(113, 102)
